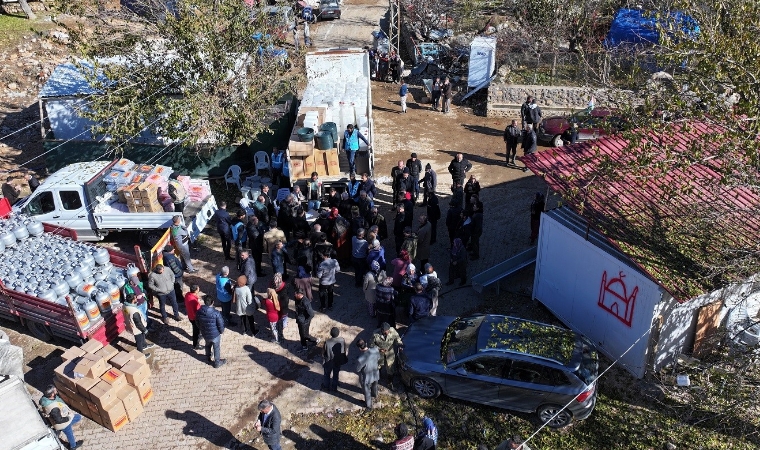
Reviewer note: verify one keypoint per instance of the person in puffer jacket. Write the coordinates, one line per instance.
(326, 273)
(211, 323)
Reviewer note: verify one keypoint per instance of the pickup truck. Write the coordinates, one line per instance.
(21, 424)
(75, 198)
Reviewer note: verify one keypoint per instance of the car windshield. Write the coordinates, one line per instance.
(589, 367)
(461, 339)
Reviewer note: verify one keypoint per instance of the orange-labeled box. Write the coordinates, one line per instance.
(114, 416)
(333, 163)
(145, 391)
(91, 346)
(121, 359)
(135, 372)
(115, 378)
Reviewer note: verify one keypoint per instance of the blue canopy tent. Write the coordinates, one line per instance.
(636, 27)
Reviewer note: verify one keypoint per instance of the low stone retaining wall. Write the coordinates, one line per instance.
(504, 100)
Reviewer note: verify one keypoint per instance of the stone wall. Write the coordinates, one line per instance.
(504, 100)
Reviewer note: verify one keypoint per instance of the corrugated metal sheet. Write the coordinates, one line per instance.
(66, 80)
(651, 218)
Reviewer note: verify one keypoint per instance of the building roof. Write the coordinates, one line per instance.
(680, 225)
(67, 80)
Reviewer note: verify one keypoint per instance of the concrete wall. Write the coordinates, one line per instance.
(504, 100)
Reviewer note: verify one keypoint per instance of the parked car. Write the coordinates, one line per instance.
(329, 9)
(504, 362)
(591, 125)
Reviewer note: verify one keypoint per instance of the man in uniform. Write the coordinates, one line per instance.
(60, 415)
(385, 339)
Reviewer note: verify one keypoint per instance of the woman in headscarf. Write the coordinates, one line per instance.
(429, 431)
(458, 263)
(399, 268)
(303, 282)
(371, 279)
(281, 289)
(385, 302)
(376, 253)
(242, 297)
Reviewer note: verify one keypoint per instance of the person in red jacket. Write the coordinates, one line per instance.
(192, 305)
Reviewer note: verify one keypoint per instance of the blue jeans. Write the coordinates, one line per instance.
(314, 204)
(216, 344)
(69, 432)
(351, 155)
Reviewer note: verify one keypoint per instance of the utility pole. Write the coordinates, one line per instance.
(394, 26)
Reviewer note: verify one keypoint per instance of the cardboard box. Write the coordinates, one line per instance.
(138, 356)
(114, 416)
(91, 346)
(79, 405)
(298, 148)
(333, 163)
(65, 373)
(67, 393)
(120, 359)
(103, 394)
(296, 167)
(72, 353)
(129, 396)
(134, 411)
(85, 384)
(308, 165)
(145, 391)
(87, 367)
(115, 378)
(107, 352)
(135, 372)
(320, 162)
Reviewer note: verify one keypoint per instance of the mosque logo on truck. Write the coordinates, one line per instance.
(614, 298)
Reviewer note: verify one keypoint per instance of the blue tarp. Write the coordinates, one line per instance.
(633, 26)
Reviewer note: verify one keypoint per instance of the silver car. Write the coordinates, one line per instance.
(504, 362)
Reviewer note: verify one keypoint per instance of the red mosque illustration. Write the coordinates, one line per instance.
(614, 298)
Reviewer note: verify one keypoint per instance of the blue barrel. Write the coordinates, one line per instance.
(332, 127)
(323, 140)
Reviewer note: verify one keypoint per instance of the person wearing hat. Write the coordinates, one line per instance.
(409, 208)
(61, 417)
(351, 139)
(386, 339)
(415, 168)
(376, 254)
(335, 354)
(429, 432)
(432, 285)
(396, 172)
(429, 183)
(410, 243)
(371, 279)
(367, 366)
(136, 323)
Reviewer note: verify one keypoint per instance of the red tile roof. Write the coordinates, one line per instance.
(681, 225)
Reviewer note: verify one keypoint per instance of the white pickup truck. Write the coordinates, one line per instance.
(75, 198)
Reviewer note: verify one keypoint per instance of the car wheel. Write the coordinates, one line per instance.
(426, 388)
(39, 330)
(557, 141)
(546, 414)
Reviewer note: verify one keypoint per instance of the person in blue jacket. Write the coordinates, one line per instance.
(277, 161)
(351, 144)
(402, 93)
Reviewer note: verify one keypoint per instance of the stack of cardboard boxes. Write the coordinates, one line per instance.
(304, 157)
(142, 197)
(109, 386)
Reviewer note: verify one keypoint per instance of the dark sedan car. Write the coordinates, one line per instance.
(591, 125)
(329, 9)
(505, 362)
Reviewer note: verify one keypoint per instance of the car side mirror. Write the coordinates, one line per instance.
(461, 371)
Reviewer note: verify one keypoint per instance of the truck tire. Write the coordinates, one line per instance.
(39, 330)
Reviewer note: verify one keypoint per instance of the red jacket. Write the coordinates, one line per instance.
(192, 305)
(272, 314)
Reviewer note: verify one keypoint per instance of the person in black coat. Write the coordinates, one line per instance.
(285, 217)
(458, 167)
(472, 187)
(453, 217)
(529, 140)
(398, 226)
(403, 182)
(511, 137)
(223, 221)
(269, 424)
(211, 324)
(304, 314)
(268, 201)
(300, 224)
(375, 218)
(525, 117)
(477, 230)
(409, 208)
(415, 167)
(368, 186)
(429, 183)
(255, 231)
(395, 174)
(434, 214)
